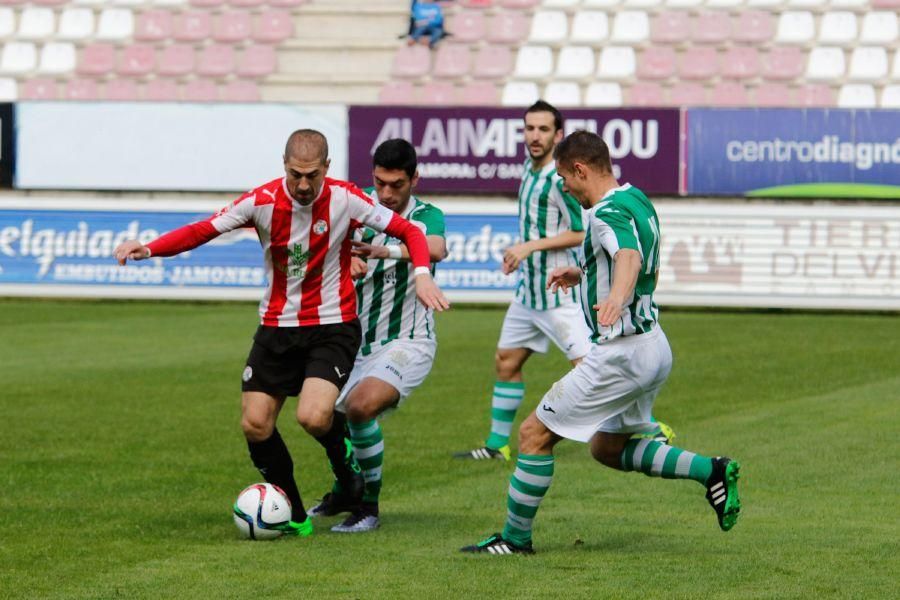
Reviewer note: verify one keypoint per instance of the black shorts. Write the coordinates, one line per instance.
(282, 357)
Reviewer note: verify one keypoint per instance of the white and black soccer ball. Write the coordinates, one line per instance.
(260, 509)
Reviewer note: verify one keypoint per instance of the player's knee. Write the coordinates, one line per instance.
(507, 367)
(534, 438)
(606, 454)
(256, 428)
(315, 422)
(360, 412)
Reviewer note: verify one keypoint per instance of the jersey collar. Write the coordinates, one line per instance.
(621, 188)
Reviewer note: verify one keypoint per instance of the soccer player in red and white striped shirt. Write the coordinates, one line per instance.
(309, 332)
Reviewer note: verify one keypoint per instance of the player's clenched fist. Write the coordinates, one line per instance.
(429, 294)
(563, 278)
(358, 268)
(131, 249)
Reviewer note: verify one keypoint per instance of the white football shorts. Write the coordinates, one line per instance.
(403, 364)
(611, 390)
(525, 327)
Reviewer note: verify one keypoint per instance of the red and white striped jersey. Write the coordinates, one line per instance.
(307, 248)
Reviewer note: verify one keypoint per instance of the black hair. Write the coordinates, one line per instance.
(543, 106)
(396, 154)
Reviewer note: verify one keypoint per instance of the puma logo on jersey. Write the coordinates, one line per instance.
(269, 193)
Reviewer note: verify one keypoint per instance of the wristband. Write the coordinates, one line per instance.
(422, 271)
(149, 252)
(394, 252)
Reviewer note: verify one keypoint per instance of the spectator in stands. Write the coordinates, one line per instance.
(427, 19)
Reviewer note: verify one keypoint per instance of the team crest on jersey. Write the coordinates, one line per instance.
(248, 374)
(320, 227)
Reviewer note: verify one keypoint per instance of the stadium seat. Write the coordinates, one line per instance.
(825, 63)
(49, 2)
(895, 72)
(411, 61)
(467, 26)
(753, 26)
(683, 3)
(246, 4)
(656, 62)
(438, 93)
(837, 27)
(519, 93)
(563, 93)
(216, 60)
(232, 26)
(9, 89)
(36, 23)
(687, 94)
(200, 90)
(176, 59)
(18, 57)
(711, 27)
(517, 3)
(476, 3)
(698, 62)
(783, 63)
(814, 95)
(479, 93)
(575, 62)
(7, 22)
(795, 27)
(80, 89)
(631, 27)
(121, 90)
(645, 93)
(451, 61)
(895, 4)
(137, 60)
(240, 91)
(641, 3)
(740, 62)
(560, 3)
(534, 62)
(773, 95)
(769, 4)
(890, 96)
(549, 26)
(38, 88)
(603, 94)
(507, 28)
(719, 4)
(127, 2)
(154, 26)
(858, 4)
(814, 4)
(879, 27)
(857, 95)
(257, 61)
(286, 3)
(493, 62)
(193, 26)
(207, 3)
(397, 92)
(115, 24)
(97, 59)
(616, 62)
(600, 3)
(97, 3)
(728, 93)
(590, 26)
(161, 90)
(868, 63)
(671, 27)
(273, 26)
(57, 58)
(76, 24)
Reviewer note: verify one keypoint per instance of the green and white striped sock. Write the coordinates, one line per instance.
(659, 460)
(504, 403)
(527, 487)
(368, 446)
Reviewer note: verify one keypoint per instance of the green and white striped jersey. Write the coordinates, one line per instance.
(386, 297)
(544, 211)
(624, 218)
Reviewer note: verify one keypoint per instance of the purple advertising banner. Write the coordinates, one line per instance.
(481, 150)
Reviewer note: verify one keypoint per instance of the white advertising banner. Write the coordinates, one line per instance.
(776, 255)
(165, 146)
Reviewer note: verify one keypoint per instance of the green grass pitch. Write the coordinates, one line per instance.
(121, 454)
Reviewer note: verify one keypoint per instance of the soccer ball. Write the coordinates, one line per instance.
(259, 509)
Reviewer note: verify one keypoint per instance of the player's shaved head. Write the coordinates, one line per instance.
(306, 145)
(586, 148)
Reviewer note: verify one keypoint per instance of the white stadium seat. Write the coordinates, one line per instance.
(575, 62)
(534, 62)
(838, 28)
(806, 3)
(856, 95)
(7, 22)
(631, 27)
(616, 62)
(879, 27)
(868, 63)
(115, 24)
(683, 3)
(795, 27)
(589, 26)
(563, 93)
(549, 26)
(57, 58)
(858, 4)
(724, 3)
(561, 3)
(18, 57)
(890, 96)
(895, 72)
(9, 89)
(603, 94)
(641, 3)
(76, 24)
(519, 93)
(36, 23)
(601, 3)
(825, 63)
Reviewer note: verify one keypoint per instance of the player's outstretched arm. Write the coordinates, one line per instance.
(131, 250)
(563, 278)
(626, 267)
(516, 253)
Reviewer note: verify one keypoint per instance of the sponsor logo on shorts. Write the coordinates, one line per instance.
(248, 373)
(320, 227)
